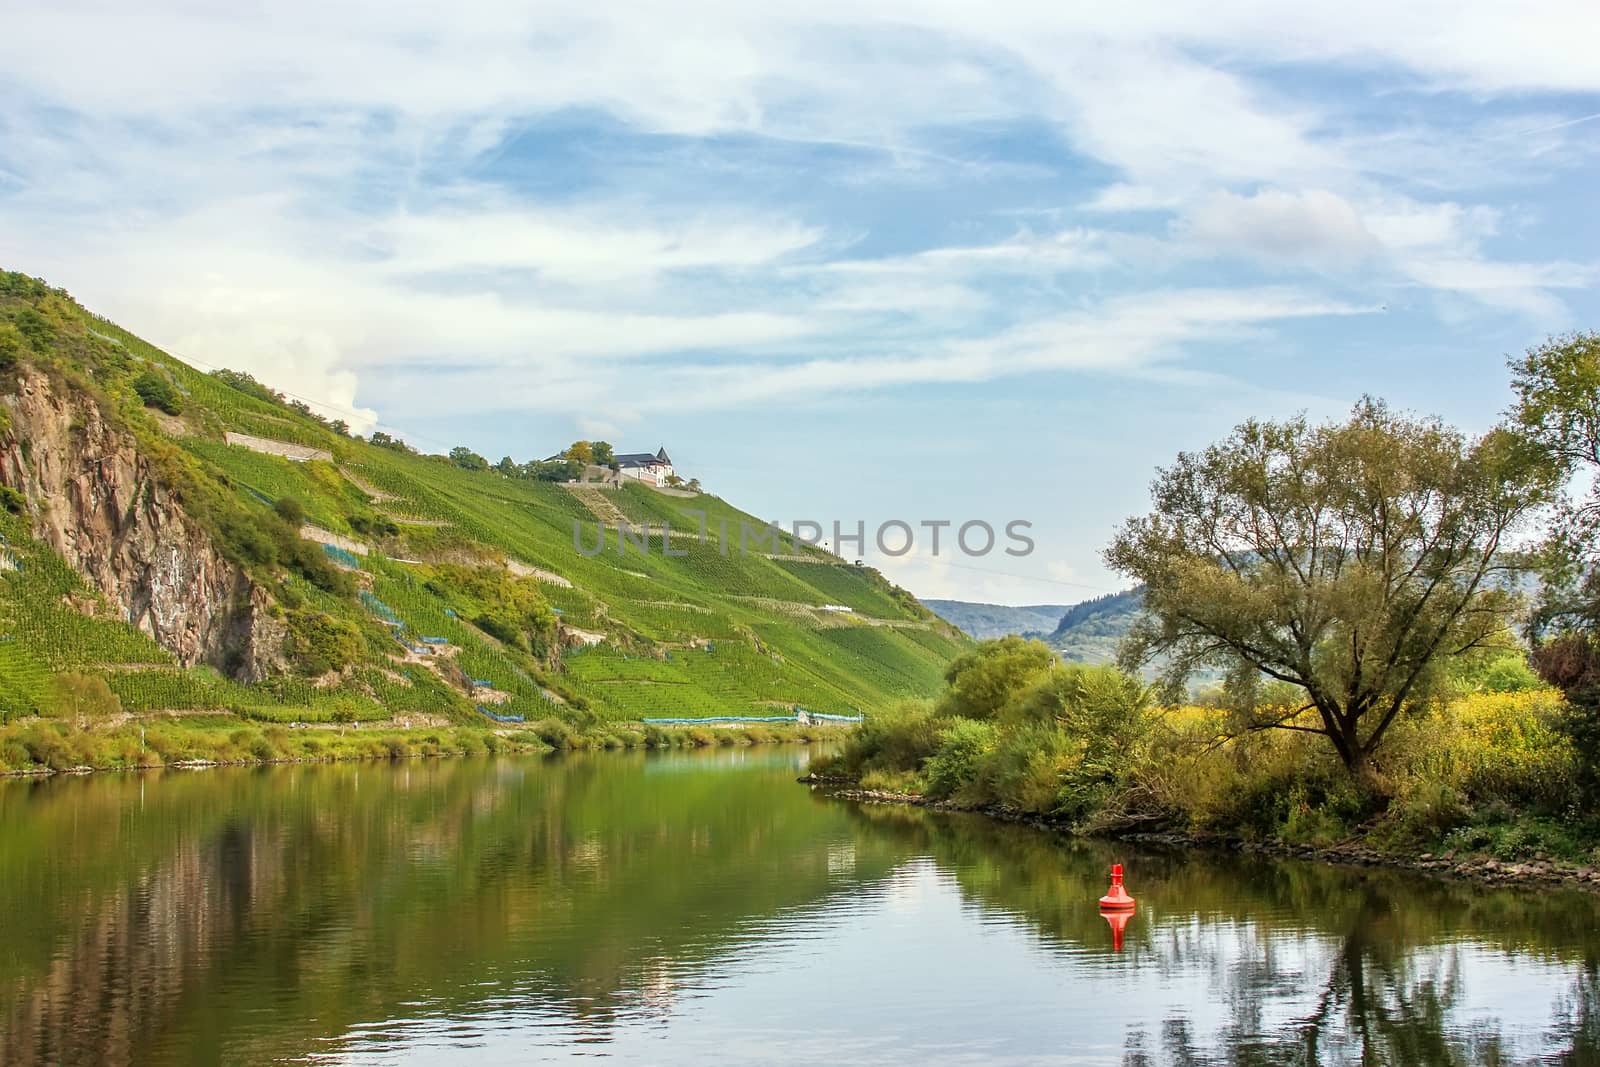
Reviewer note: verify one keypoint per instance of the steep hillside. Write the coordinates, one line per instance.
(201, 543)
(997, 620)
(1090, 632)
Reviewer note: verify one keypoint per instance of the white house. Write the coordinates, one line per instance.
(642, 466)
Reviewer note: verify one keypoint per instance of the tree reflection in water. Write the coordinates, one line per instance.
(301, 913)
(1389, 991)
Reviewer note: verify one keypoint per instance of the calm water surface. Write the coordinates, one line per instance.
(702, 907)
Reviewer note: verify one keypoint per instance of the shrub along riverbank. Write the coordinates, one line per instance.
(44, 746)
(1360, 586)
(1487, 767)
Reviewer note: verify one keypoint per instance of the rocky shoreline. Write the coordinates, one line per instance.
(1483, 869)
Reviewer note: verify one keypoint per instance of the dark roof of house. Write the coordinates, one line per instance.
(641, 459)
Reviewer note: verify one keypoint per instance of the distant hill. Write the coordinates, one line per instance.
(1091, 631)
(1087, 632)
(984, 621)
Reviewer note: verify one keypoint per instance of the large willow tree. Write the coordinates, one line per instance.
(1350, 560)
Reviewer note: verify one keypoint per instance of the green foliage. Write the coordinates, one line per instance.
(1351, 559)
(897, 739)
(13, 501)
(81, 699)
(321, 643)
(963, 750)
(1509, 674)
(39, 330)
(1557, 413)
(13, 345)
(467, 459)
(246, 384)
(383, 440)
(1029, 770)
(378, 526)
(290, 510)
(156, 391)
(986, 679)
(509, 608)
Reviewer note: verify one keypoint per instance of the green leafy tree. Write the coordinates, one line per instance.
(37, 329)
(467, 459)
(390, 442)
(290, 511)
(962, 750)
(602, 454)
(12, 345)
(1351, 560)
(157, 392)
(1557, 411)
(247, 384)
(983, 681)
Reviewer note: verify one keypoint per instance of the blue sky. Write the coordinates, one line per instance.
(915, 261)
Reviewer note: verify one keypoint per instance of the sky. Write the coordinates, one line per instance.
(847, 262)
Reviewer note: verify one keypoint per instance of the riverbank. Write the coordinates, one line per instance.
(41, 747)
(1488, 870)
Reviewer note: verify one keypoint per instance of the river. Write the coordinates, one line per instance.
(694, 907)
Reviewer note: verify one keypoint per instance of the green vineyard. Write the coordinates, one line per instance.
(442, 587)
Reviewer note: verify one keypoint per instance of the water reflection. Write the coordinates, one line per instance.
(690, 907)
(1309, 964)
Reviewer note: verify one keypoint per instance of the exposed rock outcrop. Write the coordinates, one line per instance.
(99, 502)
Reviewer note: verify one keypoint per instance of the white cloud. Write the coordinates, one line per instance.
(309, 181)
(284, 353)
(1134, 336)
(577, 249)
(1312, 226)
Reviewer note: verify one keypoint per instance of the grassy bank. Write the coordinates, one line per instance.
(1476, 772)
(36, 746)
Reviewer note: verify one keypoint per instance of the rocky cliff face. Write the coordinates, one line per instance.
(99, 503)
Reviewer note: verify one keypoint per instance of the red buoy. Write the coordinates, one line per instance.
(1116, 898)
